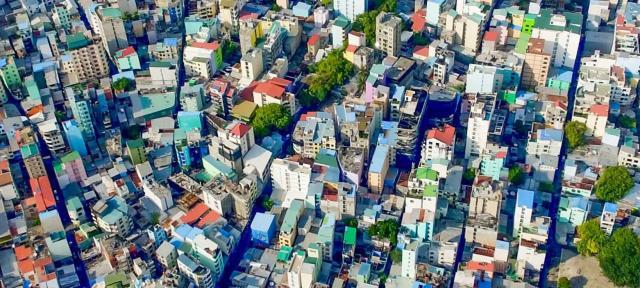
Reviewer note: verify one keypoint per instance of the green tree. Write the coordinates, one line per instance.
(155, 218)
(546, 187)
(326, 3)
(123, 84)
(386, 229)
(620, 258)
(574, 132)
(564, 282)
(275, 7)
(627, 122)
(418, 39)
(330, 72)
(267, 204)
(516, 175)
(270, 117)
(228, 48)
(132, 132)
(469, 175)
(351, 222)
(613, 184)
(592, 238)
(396, 256)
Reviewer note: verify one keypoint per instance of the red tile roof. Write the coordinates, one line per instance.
(211, 217)
(194, 214)
(314, 39)
(127, 51)
(269, 89)
(280, 82)
(247, 92)
(303, 117)
(352, 48)
(26, 266)
(501, 154)
(240, 129)
(480, 266)
(444, 134)
(23, 252)
(490, 36)
(204, 45)
(421, 51)
(419, 20)
(600, 110)
(43, 193)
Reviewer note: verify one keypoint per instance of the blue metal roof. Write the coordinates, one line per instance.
(379, 157)
(525, 198)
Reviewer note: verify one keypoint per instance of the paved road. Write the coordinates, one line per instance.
(554, 249)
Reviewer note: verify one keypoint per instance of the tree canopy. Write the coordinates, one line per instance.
(331, 71)
(627, 122)
(386, 229)
(270, 117)
(351, 222)
(620, 258)
(613, 184)
(123, 84)
(564, 282)
(515, 175)
(574, 132)
(592, 238)
(469, 175)
(366, 22)
(396, 256)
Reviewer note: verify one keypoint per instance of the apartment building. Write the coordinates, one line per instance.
(290, 181)
(313, 132)
(289, 227)
(536, 65)
(545, 141)
(388, 30)
(338, 199)
(561, 35)
(251, 64)
(275, 91)
(202, 59)
(378, 169)
(113, 216)
(524, 210)
(597, 120)
(481, 114)
(84, 59)
(33, 160)
(440, 143)
(350, 8)
(110, 27)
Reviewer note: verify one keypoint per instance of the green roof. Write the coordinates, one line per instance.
(430, 191)
(523, 43)
(350, 235)
(573, 21)
(326, 159)
(426, 173)
(341, 21)
(291, 217)
(111, 12)
(74, 203)
(161, 64)
(285, 253)
(29, 150)
(77, 41)
(71, 156)
(136, 143)
(244, 110)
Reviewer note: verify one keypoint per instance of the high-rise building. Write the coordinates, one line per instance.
(250, 31)
(84, 59)
(388, 29)
(378, 169)
(52, 136)
(113, 216)
(202, 59)
(111, 29)
(173, 8)
(524, 210)
(290, 181)
(350, 8)
(33, 160)
(536, 65)
(439, 144)
(81, 108)
(251, 64)
(314, 131)
(74, 137)
(561, 35)
(482, 109)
